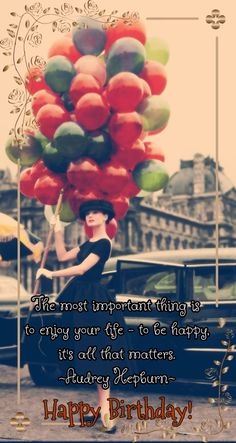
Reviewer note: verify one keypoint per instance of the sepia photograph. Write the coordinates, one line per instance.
(117, 221)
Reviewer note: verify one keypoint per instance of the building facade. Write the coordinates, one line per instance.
(182, 216)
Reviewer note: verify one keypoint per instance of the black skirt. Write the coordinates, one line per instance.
(94, 337)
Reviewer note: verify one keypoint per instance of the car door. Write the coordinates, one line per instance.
(219, 319)
(149, 286)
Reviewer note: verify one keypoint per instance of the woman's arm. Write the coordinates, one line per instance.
(88, 263)
(62, 253)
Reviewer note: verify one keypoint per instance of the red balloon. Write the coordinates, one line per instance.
(155, 75)
(146, 89)
(120, 205)
(143, 135)
(64, 46)
(124, 92)
(93, 195)
(50, 117)
(73, 117)
(34, 80)
(113, 178)
(38, 169)
(44, 97)
(131, 189)
(84, 175)
(82, 84)
(27, 183)
(91, 111)
(130, 157)
(111, 229)
(121, 29)
(90, 64)
(153, 152)
(125, 128)
(104, 96)
(47, 189)
(75, 198)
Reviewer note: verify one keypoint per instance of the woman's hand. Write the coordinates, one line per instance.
(55, 222)
(45, 272)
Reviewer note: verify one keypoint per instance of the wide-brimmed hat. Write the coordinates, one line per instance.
(96, 205)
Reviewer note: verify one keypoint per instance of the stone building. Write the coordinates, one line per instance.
(182, 216)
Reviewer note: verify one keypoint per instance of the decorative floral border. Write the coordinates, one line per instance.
(26, 32)
(209, 427)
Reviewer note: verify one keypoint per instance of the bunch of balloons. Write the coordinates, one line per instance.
(95, 102)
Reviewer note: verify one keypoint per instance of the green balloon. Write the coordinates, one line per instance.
(126, 54)
(154, 112)
(157, 49)
(150, 175)
(70, 140)
(54, 160)
(28, 151)
(99, 146)
(66, 214)
(42, 139)
(59, 73)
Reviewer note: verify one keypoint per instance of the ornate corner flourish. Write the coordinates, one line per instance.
(209, 427)
(25, 32)
(215, 19)
(20, 421)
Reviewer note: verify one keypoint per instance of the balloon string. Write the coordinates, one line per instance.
(44, 259)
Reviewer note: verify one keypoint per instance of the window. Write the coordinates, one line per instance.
(204, 286)
(210, 215)
(176, 243)
(158, 241)
(110, 280)
(148, 238)
(151, 282)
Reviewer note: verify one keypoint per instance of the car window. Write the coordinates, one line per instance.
(204, 283)
(110, 280)
(152, 282)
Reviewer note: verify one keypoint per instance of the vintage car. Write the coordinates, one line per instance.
(194, 325)
(8, 292)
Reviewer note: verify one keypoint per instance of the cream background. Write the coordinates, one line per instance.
(190, 71)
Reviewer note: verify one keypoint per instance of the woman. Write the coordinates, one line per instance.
(90, 260)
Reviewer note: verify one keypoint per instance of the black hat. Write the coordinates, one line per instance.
(96, 205)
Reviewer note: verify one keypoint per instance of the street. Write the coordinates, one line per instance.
(200, 419)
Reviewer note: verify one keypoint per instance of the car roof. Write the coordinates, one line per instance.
(180, 256)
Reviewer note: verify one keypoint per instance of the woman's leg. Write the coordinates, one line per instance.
(103, 395)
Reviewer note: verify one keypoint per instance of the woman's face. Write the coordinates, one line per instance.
(95, 218)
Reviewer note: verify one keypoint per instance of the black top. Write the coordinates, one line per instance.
(102, 248)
